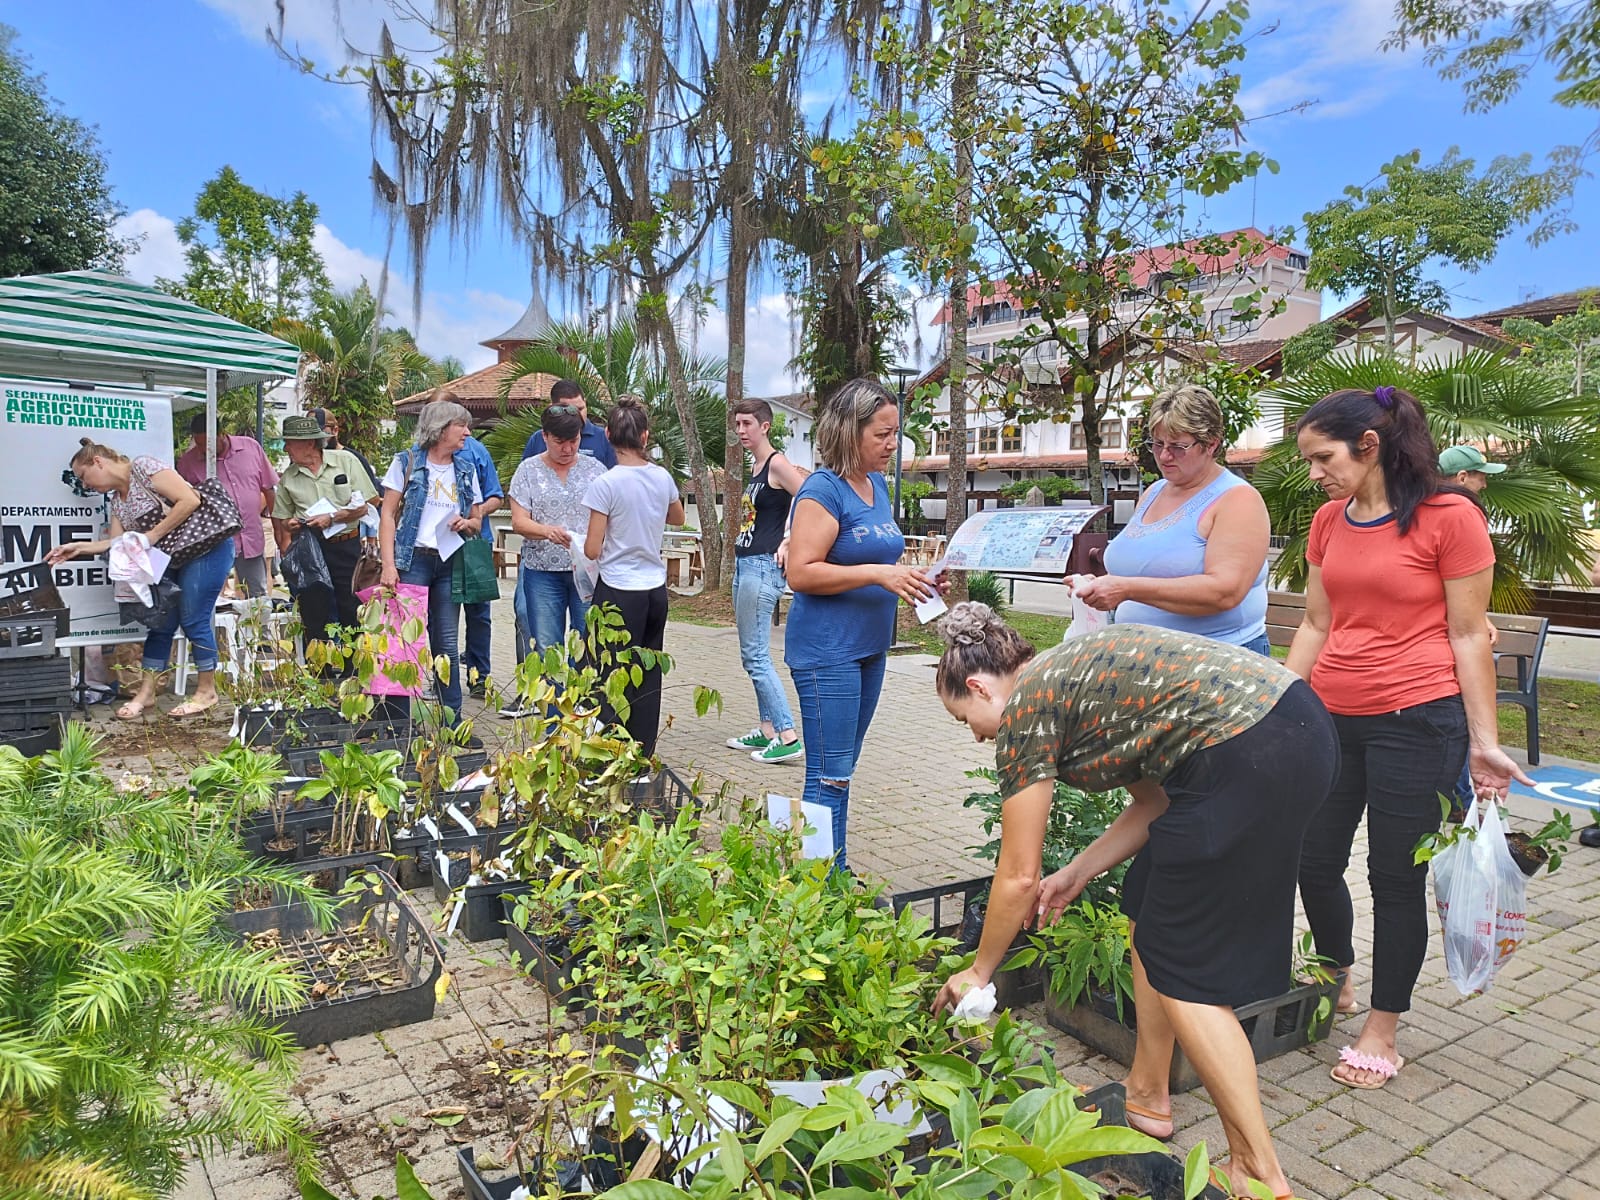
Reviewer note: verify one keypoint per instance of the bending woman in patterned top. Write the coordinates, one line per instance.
(1226, 754)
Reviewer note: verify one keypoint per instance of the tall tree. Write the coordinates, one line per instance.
(56, 209)
(1381, 239)
(250, 256)
(354, 366)
(585, 130)
(1097, 120)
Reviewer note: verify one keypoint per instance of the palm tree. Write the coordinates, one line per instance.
(1547, 437)
(609, 361)
(356, 367)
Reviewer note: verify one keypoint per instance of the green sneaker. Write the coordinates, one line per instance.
(780, 752)
(754, 740)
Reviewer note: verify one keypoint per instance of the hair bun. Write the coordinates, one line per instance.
(85, 441)
(968, 623)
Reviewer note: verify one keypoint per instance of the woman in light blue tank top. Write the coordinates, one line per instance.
(1194, 556)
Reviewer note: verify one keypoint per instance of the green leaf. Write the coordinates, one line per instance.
(1108, 1139)
(312, 1190)
(950, 1068)
(645, 1189)
(864, 1141)
(823, 1116)
(777, 1134)
(406, 1184)
(1196, 1172)
(1023, 1111)
(964, 1117)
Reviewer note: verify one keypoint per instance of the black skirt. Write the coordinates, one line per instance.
(1214, 900)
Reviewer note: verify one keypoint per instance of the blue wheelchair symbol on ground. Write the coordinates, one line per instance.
(1563, 785)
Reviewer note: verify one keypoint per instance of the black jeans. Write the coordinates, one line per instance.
(1393, 767)
(644, 614)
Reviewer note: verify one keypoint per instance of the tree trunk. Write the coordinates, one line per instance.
(963, 112)
(653, 313)
(741, 252)
(1388, 314)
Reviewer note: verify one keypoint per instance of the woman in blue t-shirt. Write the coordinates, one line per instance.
(843, 554)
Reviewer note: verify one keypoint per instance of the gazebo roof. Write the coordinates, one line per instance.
(529, 326)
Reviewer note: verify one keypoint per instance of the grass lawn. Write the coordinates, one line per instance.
(1569, 710)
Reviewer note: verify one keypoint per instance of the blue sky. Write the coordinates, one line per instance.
(178, 88)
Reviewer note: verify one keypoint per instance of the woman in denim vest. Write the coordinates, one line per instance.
(431, 501)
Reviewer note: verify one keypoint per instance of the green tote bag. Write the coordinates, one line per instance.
(472, 579)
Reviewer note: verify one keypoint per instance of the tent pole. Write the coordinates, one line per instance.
(211, 422)
(261, 415)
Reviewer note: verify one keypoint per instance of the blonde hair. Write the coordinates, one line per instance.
(977, 642)
(1187, 409)
(840, 420)
(88, 449)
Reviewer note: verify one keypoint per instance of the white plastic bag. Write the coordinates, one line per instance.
(1482, 900)
(1084, 618)
(585, 570)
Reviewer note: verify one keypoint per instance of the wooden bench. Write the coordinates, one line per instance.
(1516, 655)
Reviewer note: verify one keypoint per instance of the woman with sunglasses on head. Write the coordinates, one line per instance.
(629, 509)
(1193, 559)
(148, 497)
(1395, 643)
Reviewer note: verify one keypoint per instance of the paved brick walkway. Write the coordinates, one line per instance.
(1498, 1097)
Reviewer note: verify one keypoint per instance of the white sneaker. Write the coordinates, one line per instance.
(518, 709)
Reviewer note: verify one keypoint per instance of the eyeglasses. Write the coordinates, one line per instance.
(1174, 448)
(563, 409)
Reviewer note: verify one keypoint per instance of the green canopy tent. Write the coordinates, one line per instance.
(91, 327)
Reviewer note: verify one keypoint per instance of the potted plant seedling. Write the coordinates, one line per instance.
(365, 787)
(1542, 848)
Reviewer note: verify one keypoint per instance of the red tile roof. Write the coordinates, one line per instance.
(1153, 260)
(1544, 309)
(1049, 462)
(480, 393)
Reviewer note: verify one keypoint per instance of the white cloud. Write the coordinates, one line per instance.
(769, 345)
(317, 29)
(1329, 52)
(159, 252)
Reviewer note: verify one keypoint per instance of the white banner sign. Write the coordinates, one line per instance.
(39, 511)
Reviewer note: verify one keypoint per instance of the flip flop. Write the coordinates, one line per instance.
(1148, 1114)
(1378, 1065)
(190, 709)
(132, 711)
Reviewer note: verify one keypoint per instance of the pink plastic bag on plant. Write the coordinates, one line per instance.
(409, 602)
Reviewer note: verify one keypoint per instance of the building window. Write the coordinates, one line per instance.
(1077, 440)
(1011, 439)
(972, 441)
(936, 443)
(1299, 261)
(1111, 434)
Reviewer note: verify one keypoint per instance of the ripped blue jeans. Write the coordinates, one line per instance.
(836, 706)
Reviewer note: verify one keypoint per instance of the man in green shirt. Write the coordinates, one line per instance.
(317, 475)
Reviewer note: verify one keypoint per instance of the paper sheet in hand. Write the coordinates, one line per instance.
(159, 559)
(325, 508)
(446, 540)
(934, 606)
(781, 811)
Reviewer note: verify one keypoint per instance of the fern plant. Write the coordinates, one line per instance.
(116, 1056)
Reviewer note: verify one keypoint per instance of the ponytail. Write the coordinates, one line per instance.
(1406, 453)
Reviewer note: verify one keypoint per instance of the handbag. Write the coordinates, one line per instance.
(472, 577)
(368, 572)
(202, 530)
(166, 597)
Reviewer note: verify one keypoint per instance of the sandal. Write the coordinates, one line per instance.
(132, 711)
(190, 708)
(1148, 1114)
(1377, 1064)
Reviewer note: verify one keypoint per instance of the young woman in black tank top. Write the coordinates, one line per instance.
(760, 549)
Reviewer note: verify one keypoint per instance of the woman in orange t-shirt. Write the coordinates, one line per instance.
(1395, 643)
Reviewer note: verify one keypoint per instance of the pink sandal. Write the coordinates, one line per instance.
(1377, 1064)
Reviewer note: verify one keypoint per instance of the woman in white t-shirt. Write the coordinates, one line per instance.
(629, 508)
(431, 501)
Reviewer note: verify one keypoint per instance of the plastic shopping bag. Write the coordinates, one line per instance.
(303, 566)
(409, 602)
(1482, 900)
(1084, 618)
(585, 570)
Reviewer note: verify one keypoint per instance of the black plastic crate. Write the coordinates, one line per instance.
(483, 917)
(663, 796)
(34, 726)
(1274, 1026)
(956, 910)
(34, 678)
(376, 920)
(31, 592)
(546, 959)
(332, 735)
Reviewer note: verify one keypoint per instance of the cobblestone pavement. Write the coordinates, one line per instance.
(1497, 1099)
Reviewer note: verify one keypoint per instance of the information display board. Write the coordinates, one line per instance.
(39, 510)
(1018, 539)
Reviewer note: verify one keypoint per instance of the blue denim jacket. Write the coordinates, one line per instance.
(415, 498)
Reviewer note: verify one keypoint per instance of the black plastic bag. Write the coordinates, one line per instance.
(166, 599)
(303, 566)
